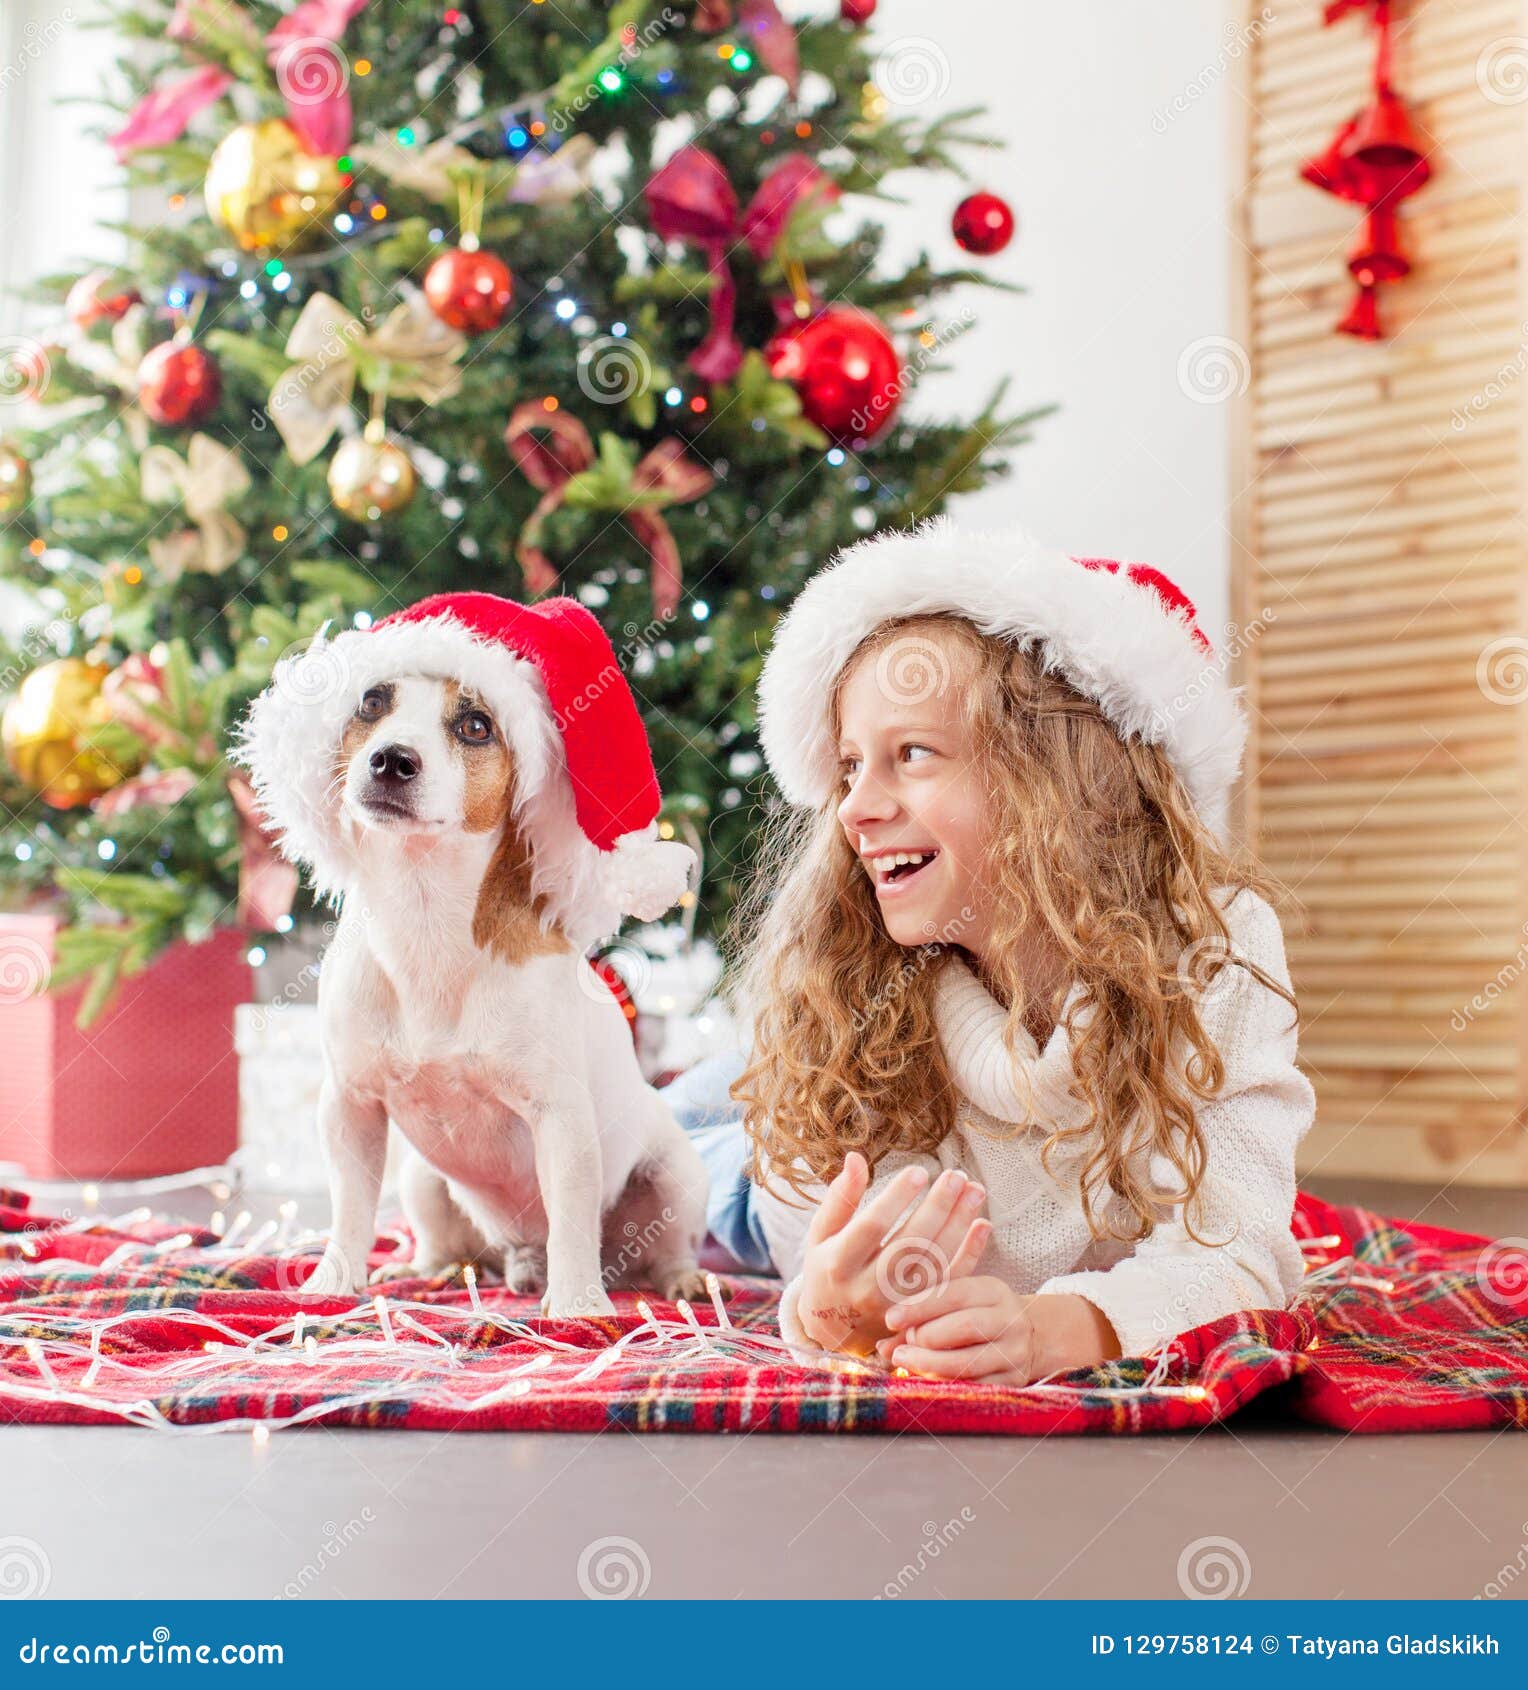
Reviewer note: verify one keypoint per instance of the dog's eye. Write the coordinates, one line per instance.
(373, 703)
(475, 728)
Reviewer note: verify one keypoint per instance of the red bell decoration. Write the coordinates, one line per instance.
(983, 224)
(178, 384)
(97, 298)
(1363, 319)
(1376, 255)
(469, 289)
(1334, 172)
(845, 369)
(856, 11)
(1384, 150)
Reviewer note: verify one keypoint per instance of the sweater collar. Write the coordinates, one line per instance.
(971, 1025)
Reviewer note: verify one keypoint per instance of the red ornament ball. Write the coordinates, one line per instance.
(470, 291)
(178, 385)
(97, 297)
(856, 11)
(845, 369)
(983, 223)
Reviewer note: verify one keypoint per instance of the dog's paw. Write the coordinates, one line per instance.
(585, 1306)
(683, 1279)
(335, 1275)
(411, 1270)
(525, 1269)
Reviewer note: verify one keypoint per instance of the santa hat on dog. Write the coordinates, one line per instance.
(1122, 634)
(585, 790)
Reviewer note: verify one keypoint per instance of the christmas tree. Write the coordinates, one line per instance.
(564, 297)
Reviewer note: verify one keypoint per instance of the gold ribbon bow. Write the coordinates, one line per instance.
(412, 356)
(563, 467)
(209, 477)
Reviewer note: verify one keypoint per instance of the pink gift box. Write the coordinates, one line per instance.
(151, 1087)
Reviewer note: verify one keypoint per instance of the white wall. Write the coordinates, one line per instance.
(56, 181)
(1117, 115)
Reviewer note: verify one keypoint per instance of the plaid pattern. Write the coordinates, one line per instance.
(1425, 1330)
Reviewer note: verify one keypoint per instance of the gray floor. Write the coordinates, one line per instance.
(1266, 1511)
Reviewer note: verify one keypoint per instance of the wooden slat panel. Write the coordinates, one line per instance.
(1380, 545)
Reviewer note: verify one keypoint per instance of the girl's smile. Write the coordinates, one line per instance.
(912, 806)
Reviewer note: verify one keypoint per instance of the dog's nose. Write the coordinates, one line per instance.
(394, 763)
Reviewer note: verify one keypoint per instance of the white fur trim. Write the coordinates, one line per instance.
(647, 876)
(1112, 638)
(291, 735)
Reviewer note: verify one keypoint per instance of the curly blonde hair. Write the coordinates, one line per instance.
(1093, 845)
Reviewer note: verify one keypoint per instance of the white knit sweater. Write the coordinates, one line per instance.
(1040, 1241)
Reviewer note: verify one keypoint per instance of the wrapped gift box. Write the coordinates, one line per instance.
(151, 1087)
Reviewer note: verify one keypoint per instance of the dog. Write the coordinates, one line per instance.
(437, 776)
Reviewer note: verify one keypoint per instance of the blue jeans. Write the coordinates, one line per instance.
(702, 1107)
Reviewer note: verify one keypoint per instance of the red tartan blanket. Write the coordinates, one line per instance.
(1400, 1327)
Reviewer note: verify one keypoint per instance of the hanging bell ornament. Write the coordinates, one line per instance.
(371, 476)
(1362, 320)
(15, 483)
(1376, 255)
(266, 191)
(45, 728)
(1385, 150)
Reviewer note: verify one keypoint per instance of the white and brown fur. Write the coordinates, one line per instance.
(455, 1003)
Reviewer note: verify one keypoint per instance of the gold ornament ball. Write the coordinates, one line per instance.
(265, 190)
(370, 479)
(15, 482)
(54, 708)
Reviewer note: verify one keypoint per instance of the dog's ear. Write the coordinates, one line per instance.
(510, 918)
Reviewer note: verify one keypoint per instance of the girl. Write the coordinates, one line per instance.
(1003, 974)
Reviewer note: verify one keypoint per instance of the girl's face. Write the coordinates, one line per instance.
(912, 805)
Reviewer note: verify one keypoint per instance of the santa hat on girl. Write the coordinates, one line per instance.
(585, 790)
(1122, 634)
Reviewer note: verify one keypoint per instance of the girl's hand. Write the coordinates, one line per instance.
(979, 1329)
(849, 1277)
